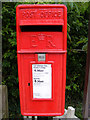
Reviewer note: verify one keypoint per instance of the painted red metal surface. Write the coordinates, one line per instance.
(33, 38)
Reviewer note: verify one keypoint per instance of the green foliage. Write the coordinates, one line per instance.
(10, 74)
(77, 28)
(77, 32)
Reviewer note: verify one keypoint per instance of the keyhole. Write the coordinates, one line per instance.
(28, 84)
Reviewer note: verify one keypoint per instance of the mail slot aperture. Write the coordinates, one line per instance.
(47, 28)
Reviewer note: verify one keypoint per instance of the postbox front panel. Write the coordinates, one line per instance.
(41, 52)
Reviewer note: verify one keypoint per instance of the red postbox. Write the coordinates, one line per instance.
(41, 52)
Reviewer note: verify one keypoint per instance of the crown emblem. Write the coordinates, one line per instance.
(41, 36)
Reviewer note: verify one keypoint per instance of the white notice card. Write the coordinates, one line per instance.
(42, 80)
